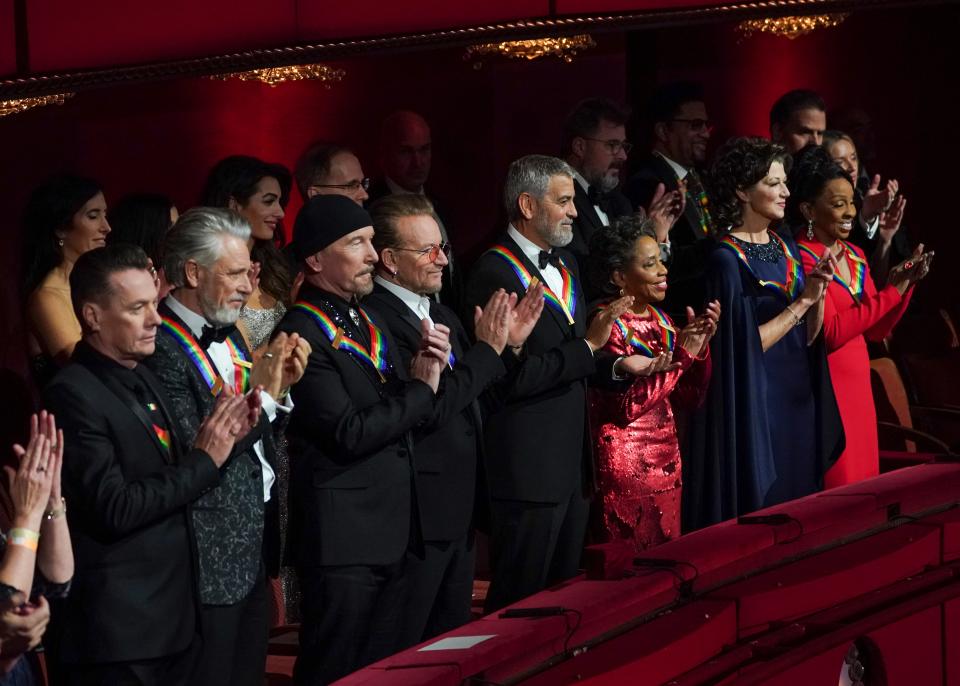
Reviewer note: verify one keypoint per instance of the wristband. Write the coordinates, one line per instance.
(24, 537)
(55, 512)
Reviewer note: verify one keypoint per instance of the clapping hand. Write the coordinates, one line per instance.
(912, 269)
(820, 277)
(665, 208)
(525, 315)
(31, 483)
(598, 332)
(696, 335)
(433, 355)
(22, 625)
(491, 324)
(641, 365)
(876, 201)
(282, 365)
(890, 220)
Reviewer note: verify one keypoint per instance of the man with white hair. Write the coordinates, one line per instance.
(539, 463)
(199, 355)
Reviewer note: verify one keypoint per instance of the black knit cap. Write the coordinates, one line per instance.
(325, 220)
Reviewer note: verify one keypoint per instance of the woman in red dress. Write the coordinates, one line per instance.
(638, 457)
(821, 206)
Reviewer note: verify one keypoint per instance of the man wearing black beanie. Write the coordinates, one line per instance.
(352, 516)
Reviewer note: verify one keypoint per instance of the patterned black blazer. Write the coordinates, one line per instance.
(232, 530)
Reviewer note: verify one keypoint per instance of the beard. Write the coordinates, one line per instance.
(610, 180)
(363, 286)
(556, 235)
(216, 314)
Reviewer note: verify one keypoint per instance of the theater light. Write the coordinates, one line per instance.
(791, 27)
(297, 72)
(564, 47)
(24, 104)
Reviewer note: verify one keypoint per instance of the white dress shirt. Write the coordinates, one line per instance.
(605, 220)
(220, 356)
(418, 304)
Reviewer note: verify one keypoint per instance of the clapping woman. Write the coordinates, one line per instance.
(635, 437)
(769, 428)
(822, 210)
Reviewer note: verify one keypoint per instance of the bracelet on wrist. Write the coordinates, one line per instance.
(55, 512)
(796, 318)
(23, 537)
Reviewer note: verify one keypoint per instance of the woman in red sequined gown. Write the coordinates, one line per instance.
(638, 457)
(822, 204)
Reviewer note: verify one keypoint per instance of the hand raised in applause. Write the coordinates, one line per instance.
(696, 335)
(491, 324)
(433, 355)
(911, 270)
(598, 333)
(819, 278)
(641, 365)
(223, 426)
(525, 315)
(21, 625)
(876, 201)
(31, 482)
(665, 208)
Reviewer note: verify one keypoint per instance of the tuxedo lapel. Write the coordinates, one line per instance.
(167, 313)
(130, 400)
(388, 299)
(586, 215)
(558, 317)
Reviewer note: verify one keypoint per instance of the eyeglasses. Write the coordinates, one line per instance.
(614, 146)
(352, 186)
(432, 252)
(697, 125)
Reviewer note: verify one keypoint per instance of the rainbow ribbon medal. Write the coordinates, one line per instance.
(791, 283)
(668, 334)
(163, 436)
(198, 356)
(566, 304)
(858, 272)
(375, 357)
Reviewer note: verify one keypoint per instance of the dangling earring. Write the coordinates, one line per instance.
(621, 292)
(809, 229)
(60, 242)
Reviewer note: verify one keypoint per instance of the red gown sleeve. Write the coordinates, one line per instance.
(692, 388)
(843, 324)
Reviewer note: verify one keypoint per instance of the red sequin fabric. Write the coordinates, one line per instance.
(638, 457)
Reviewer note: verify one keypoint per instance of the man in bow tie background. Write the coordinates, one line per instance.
(200, 355)
(595, 146)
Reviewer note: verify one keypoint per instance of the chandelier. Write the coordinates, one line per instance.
(23, 104)
(297, 72)
(565, 48)
(791, 27)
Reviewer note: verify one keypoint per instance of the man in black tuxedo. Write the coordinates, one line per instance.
(595, 146)
(539, 460)
(132, 615)
(680, 131)
(448, 448)
(406, 155)
(200, 355)
(330, 169)
(353, 515)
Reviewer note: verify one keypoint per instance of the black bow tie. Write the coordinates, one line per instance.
(215, 334)
(545, 258)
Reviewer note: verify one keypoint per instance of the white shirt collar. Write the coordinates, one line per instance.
(397, 189)
(418, 304)
(529, 248)
(193, 320)
(578, 177)
(678, 169)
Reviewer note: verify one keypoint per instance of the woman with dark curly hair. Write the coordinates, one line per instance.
(770, 428)
(65, 217)
(822, 211)
(258, 191)
(635, 438)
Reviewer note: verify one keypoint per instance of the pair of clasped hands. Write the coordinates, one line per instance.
(505, 320)
(234, 415)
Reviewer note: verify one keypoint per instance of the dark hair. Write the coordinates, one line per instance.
(51, 207)
(584, 120)
(740, 163)
(611, 248)
(387, 210)
(831, 136)
(90, 276)
(666, 101)
(313, 165)
(813, 169)
(141, 219)
(237, 177)
(794, 101)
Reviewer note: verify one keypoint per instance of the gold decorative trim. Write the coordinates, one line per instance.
(273, 76)
(8, 107)
(791, 27)
(562, 47)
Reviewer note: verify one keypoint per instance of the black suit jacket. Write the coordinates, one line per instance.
(588, 223)
(134, 592)
(451, 292)
(537, 439)
(688, 244)
(351, 453)
(234, 530)
(448, 447)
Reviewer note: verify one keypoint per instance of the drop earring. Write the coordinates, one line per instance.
(809, 229)
(60, 242)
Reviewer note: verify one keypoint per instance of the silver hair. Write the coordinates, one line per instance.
(530, 174)
(198, 236)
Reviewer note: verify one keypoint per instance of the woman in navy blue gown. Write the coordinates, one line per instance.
(770, 426)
